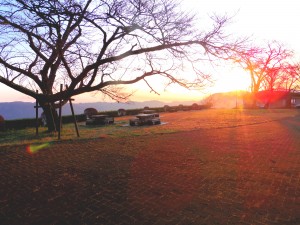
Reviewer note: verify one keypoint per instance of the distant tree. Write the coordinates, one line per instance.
(209, 101)
(195, 106)
(289, 77)
(96, 45)
(88, 112)
(166, 108)
(121, 112)
(180, 107)
(266, 66)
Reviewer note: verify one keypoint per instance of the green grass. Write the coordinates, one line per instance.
(175, 122)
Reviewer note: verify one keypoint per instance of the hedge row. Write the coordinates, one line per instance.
(130, 111)
(24, 123)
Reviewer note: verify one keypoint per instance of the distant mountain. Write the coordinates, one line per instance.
(21, 110)
(17, 110)
(227, 100)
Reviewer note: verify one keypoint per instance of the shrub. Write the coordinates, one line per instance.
(121, 112)
(24, 123)
(69, 118)
(20, 124)
(2, 123)
(89, 112)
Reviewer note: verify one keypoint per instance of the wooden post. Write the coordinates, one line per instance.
(75, 122)
(73, 114)
(53, 120)
(60, 117)
(36, 116)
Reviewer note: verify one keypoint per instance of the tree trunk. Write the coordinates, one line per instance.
(267, 105)
(255, 90)
(254, 100)
(254, 103)
(52, 117)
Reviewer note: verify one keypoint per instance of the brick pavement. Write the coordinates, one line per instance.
(237, 175)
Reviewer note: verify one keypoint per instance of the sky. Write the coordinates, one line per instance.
(262, 20)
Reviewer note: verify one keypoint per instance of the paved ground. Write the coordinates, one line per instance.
(238, 175)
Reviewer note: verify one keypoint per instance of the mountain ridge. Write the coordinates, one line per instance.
(21, 110)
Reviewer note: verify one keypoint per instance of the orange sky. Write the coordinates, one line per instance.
(265, 20)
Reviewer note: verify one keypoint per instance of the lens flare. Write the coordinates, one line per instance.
(32, 149)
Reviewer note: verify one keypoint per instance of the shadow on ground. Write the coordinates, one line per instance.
(239, 175)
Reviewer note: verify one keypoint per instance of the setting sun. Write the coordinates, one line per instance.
(233, 80)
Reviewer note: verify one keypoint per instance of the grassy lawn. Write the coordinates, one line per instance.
(172, 122)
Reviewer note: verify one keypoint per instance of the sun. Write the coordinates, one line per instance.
(233, 80)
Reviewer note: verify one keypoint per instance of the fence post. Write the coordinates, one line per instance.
(36, 116)
(60, 117)
(73, 114)
(74, 118)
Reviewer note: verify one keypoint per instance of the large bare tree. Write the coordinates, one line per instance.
(97, 45)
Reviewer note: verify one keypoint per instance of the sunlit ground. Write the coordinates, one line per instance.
(173, 122)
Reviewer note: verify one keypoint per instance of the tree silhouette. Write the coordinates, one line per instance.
(271, 67)
(99, 45)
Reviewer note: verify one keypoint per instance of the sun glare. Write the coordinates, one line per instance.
(225, 80)
(234, 80)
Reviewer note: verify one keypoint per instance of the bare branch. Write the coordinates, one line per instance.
(98, 45)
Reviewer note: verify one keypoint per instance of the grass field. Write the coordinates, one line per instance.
(172, 122)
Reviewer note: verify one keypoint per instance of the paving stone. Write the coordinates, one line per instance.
(212, 176)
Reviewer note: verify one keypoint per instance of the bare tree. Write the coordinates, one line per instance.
(289, 77)
(266, 66)
(278, 66)
(96, 45)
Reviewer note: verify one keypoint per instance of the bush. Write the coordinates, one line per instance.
(121, 112)
(69, 118)
(89, 112)
(24, 123)
(20, 124)
(2, 123)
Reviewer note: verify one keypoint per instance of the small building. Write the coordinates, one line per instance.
(272, 99)
(295, 99)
